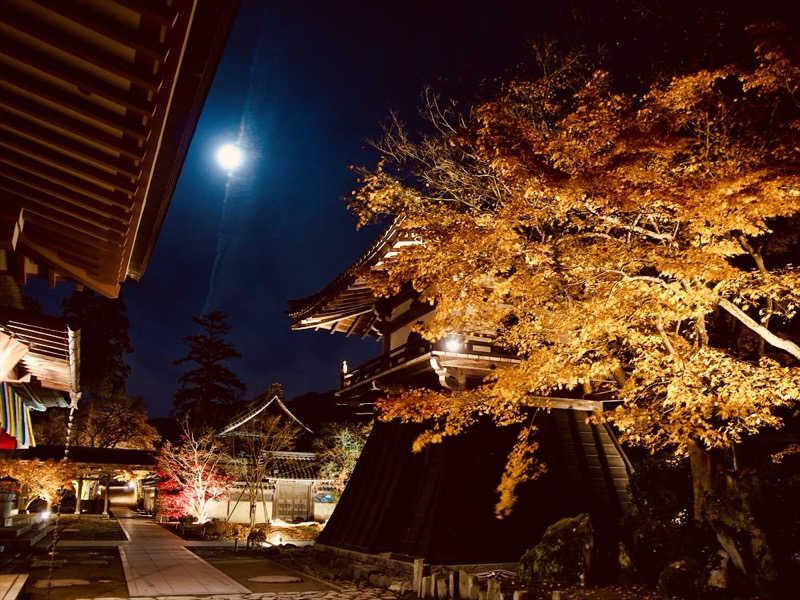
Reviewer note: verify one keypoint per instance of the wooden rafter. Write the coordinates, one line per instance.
(63, 41)
(20, 106)
(145, 46)
(41, 192)
(22, 147)
(70, 147)
(87, 125)
(86, 82)
(27, 85)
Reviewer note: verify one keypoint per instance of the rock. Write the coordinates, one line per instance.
(679, 580)
(565, 554)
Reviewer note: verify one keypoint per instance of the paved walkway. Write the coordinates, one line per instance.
(156, 563)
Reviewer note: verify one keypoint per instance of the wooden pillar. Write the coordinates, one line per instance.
(105, 498)
(78, 492)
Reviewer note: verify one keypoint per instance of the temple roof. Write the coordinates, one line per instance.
(98, 104)
(294, 465)
(346, 304)
(273, 396)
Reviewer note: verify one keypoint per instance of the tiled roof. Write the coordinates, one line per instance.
(294, 465)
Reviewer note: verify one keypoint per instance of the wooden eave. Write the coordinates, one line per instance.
(98, 103)
(346, 304)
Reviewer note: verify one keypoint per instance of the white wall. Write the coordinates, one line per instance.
(323, 510)
(240, 513)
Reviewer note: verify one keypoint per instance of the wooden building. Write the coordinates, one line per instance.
(293, 489)
(439, 503)
(98, 104)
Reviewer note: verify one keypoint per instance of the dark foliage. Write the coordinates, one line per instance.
(661, 529)
(209, 391)
(104, 342)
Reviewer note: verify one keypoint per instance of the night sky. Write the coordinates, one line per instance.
(313, 81)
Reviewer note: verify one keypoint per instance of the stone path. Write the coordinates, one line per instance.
(158, 566)
(156, 563)
(362, 594)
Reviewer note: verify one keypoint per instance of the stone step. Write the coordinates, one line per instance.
(30, 538)
(7, 533)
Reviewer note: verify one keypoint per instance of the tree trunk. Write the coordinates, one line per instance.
(700, 463)
(724, 502)
(78, 493)
(267, 517)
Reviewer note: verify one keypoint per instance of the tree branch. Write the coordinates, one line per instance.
(766, 334)
(664, 237)
(667, 342)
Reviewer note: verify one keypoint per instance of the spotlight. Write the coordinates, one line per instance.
(452, 344)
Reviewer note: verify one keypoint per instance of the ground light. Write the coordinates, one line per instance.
(229, 156)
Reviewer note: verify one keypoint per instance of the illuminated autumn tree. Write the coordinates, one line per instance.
(630, 243)
(38, 478)
(118, 422)
(190, 477)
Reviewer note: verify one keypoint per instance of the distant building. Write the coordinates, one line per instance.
(293, 490)
(439, 503)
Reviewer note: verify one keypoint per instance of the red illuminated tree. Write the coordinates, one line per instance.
(190, 477)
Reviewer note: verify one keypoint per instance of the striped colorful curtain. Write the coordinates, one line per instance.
(15, 417)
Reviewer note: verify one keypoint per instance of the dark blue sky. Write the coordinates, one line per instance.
(326, 75)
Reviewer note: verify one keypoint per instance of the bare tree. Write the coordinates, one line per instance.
(251, 449)
(191, 477)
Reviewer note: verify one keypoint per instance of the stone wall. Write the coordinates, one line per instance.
(427, 581)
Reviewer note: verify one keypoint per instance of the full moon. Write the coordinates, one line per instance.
(229, 156)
